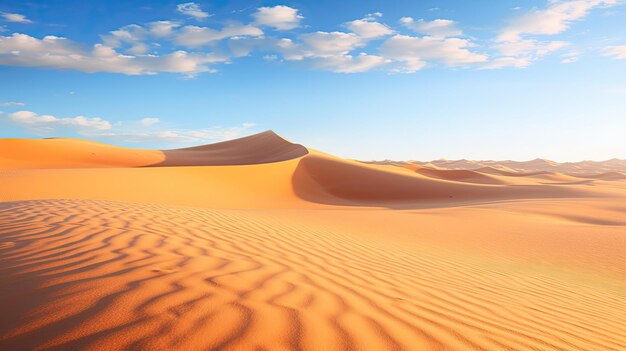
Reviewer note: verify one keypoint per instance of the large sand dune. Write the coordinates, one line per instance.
(259, 243)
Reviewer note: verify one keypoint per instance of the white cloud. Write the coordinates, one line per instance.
(368, 28)
(193, 10)
(179, 136)
(321, 44)
(133, 37)
(162, 28)
(96, 127)
(13, 103)
(436, 28)
(529, 47)
(504, 62)
(279, 17)
(194, 36)
(149, 121)
(132, 34)
(416, 52)
(514, 41)
(150, 48)
(331, 51)
(15, 17)
(49, 123)
(616, 52)
(570, 57)
(270, 57)
(554, 19)
(349, 63)
(61, 53)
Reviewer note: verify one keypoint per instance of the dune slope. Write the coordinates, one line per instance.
(71, 153)
(265, 147)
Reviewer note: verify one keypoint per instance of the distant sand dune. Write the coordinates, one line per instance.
(519, 168)
(463, 175)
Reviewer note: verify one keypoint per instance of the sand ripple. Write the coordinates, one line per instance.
(80, 274)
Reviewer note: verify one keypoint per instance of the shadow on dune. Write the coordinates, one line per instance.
(336, 182)
(265, 147)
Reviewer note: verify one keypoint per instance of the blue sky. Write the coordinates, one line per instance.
(359, 79)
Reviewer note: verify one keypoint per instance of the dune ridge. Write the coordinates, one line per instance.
(265, 147)
(271, 172)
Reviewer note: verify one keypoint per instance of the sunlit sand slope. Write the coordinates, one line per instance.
(111, 276)
(263, 147)
(71, 153)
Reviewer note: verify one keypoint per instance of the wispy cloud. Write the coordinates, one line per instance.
(48, 123)
(13, 103)
(416, 52)
(193, 10)
(617, 52)
(437, 28)
(170, 137)
(194, 36)
(554, 19)
(149, 121)
(145, 130)
(519, 37)
(15, 17)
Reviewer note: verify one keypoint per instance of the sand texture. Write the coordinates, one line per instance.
(263, 244)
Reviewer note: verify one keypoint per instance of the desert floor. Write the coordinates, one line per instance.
(261, 244)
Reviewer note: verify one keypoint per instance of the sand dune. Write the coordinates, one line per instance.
(523, 167)
(264, 147)
(326, 179)
(463, 175)
(606, 176)
(300, 178)
(263, 244)
(71, 153)
(505, 171)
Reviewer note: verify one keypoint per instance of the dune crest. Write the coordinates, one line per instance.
(270, 172)
(265, 147)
